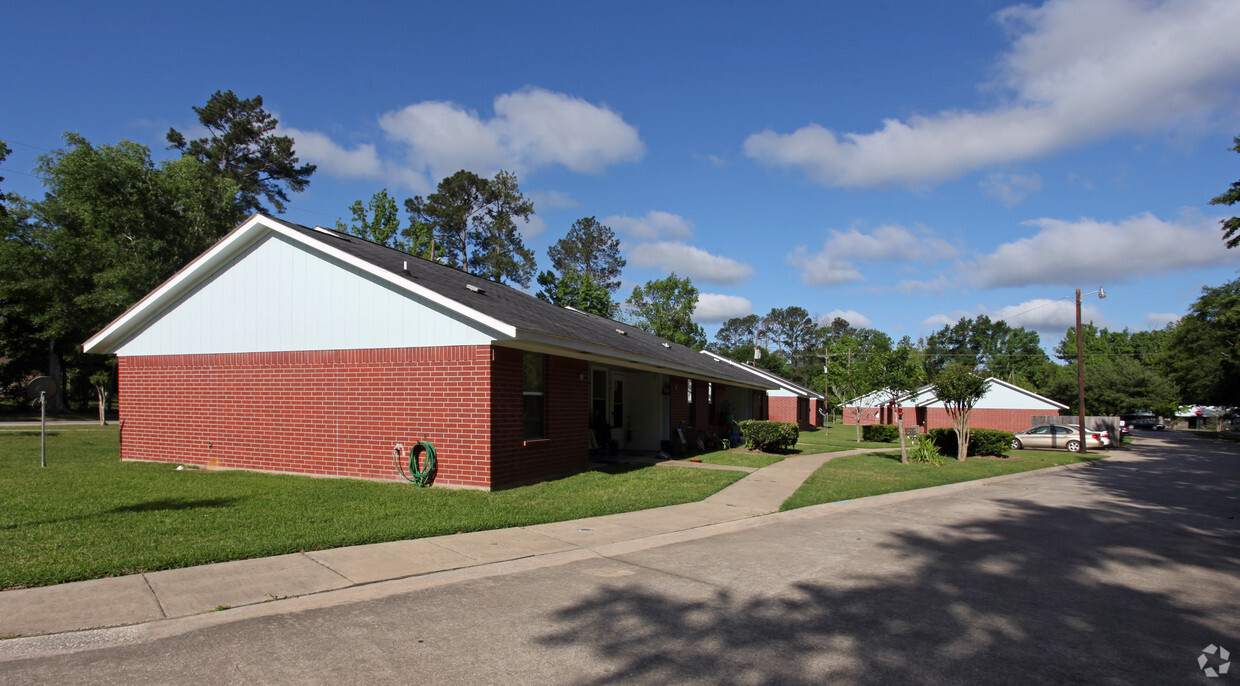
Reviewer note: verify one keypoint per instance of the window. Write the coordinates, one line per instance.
(692, 405)
(710, 403)
(534, 391)
(617, 402)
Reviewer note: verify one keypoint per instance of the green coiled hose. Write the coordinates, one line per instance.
(419, 477)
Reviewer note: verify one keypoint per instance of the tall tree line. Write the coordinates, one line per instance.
(113, 224)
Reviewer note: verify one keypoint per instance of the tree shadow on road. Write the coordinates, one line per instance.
(1124, 594)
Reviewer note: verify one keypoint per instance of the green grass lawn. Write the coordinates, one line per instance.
(87, 515)
(737, 457)
(856, 476)
(835, 438)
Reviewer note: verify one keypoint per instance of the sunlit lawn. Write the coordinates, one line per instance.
(856, 476)
(88, 515)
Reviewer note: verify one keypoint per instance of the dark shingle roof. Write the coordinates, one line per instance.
(529, 314)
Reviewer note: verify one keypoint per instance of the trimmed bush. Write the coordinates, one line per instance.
(770, 437)
(981, 441)
(880, 433)
(990, 442)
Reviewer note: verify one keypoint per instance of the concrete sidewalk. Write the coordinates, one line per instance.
(140, 598)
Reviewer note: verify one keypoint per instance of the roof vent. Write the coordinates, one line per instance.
(480, 291)
(621, 332)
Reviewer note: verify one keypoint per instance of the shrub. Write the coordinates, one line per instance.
(981, 441)
(925, 452)
(880, 433)
(770, 437)
(990, 442)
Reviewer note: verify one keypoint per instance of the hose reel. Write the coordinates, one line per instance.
(418, 476)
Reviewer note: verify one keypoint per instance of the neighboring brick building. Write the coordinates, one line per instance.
(1004, 407)
(292, 349)
(789, 402)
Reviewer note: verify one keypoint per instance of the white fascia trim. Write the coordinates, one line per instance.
(761, 373)
(538, 342)
(1027, 392)
(233, 243)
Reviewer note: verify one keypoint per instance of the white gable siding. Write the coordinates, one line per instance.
(280, 296)
(1000, 397)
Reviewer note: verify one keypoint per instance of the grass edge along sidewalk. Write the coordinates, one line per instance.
(848, 477)
(88, 515)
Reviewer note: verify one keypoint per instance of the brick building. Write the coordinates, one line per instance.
(788, 402)
(1004, 407)
(285, 348)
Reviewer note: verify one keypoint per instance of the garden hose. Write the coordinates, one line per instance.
(419, 477)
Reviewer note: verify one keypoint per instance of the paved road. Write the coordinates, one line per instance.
(1120, 573)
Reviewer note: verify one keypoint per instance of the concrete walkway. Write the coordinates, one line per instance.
(140, 598)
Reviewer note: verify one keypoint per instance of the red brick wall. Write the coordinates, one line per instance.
(1000, 420)
(566, 448)
(678, 408)
(784, 409)
(997, 419)
(332, 412)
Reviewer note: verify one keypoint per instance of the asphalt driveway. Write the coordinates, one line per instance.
(1117, 573)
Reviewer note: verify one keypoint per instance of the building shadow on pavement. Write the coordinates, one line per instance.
(1126, 593)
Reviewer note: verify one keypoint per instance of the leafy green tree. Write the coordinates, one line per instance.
(587, 258)
(111, 227)
(575, 289)
(589, 248)
(665, 307)
(793, 331)
(994, 347)
(896, 374)
(959, 388)
(1231, 226)
(735, 340)
(857, 362)
(474, 228)
(244, 148)
(377, 221)
(1203, 356)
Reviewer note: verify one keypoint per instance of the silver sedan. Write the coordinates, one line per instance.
(1059, 436)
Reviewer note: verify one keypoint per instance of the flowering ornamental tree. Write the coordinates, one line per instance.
(959, 388)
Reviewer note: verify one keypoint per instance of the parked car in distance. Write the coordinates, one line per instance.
(1065, 436)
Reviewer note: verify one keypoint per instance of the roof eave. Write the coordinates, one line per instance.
(111, 337)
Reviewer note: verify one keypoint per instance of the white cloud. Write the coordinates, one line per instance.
(533, 227)
(853, 317)
(834, 263)
(1158, 320)
(714, 308)
(822, 270)
(544, 128)
(362, 162)
(691, 261)
(888, 242)
(654, 226)
(938, 321)
(937, 286)
(1087, 252)
(1010, 188)
(532, 128)
(1076, 71)
(1043, 315)
(555, 200)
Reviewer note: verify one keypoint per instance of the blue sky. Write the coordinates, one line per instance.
(901, 164)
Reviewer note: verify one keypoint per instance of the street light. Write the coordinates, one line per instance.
(1080, 365)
